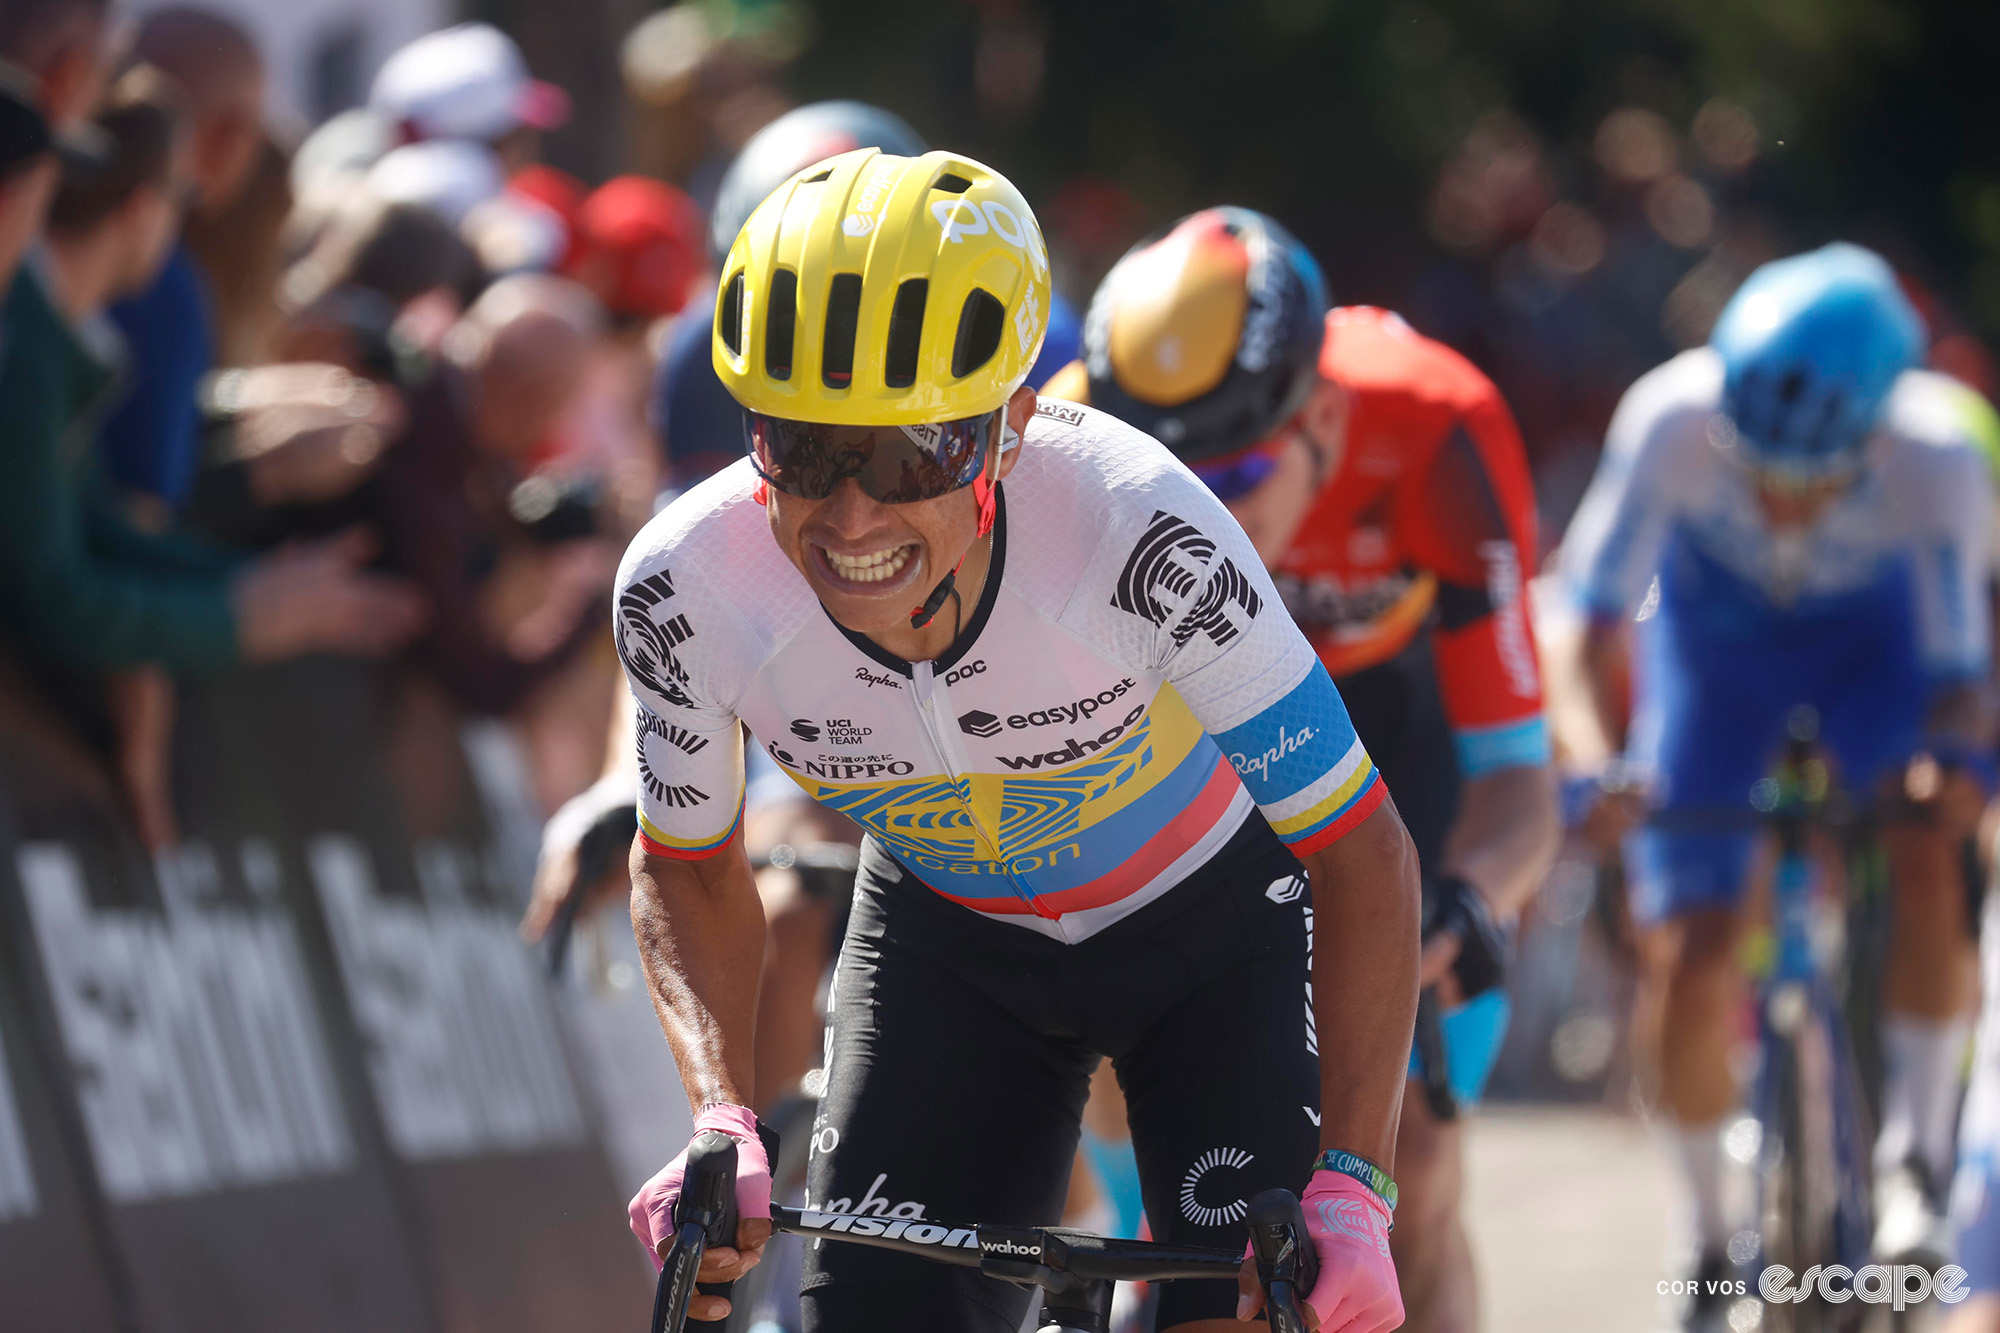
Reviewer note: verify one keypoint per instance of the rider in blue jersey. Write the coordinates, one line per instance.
(1796, 516)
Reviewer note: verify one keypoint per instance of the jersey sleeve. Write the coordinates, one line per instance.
(1470, 516)
(1953, 613)
(1189, 598)
(1613, 547)
(690, 750)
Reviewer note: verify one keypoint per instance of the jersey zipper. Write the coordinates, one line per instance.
(933, 711)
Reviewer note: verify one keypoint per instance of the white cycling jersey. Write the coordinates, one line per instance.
(1126, 687)
(1664, 491)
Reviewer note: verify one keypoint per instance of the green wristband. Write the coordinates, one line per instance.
(1361, 1169)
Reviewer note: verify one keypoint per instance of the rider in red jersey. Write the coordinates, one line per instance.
(1382, 479)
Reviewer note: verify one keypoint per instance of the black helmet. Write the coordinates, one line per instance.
(793, 142)
(1207, 335)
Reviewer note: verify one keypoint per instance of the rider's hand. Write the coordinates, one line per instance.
(1946, 792)
(557, 864)
(652, 1207)
(1602, 807)
(1356, 1289)
(1463, 944)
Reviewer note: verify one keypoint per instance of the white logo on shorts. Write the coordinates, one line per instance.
(1206, 1215)
(1287, 890)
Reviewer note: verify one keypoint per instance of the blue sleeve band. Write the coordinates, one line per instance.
(1482, 750)
(1294, 743)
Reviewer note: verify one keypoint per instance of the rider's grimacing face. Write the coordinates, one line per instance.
(871, 563)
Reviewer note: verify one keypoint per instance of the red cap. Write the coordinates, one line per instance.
(563, 195)
(643, 245)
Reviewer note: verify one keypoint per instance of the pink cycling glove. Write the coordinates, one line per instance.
(653, 1206)
(1356, 1289)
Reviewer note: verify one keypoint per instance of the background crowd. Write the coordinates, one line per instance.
(386, 386)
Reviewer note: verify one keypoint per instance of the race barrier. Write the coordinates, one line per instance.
(299, 1073)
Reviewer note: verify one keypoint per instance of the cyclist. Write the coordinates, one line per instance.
(1383, 482)
(702, 427)
(1804, 518)
(1975, 1201)
(1038, 662)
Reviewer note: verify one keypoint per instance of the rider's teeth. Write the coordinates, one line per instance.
(871, 568)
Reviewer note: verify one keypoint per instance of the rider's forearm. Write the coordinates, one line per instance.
(1366, 908)
(1506, 836)
(1590, 671)
(700, 928)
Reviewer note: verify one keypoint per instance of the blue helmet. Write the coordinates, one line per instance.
(793, 142)
(1810, 348)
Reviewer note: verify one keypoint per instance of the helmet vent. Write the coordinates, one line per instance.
(906, 330)
(729, 320)
(817, 177)
(843, 309)
(780, 324)
(952, 183)
(978, 338)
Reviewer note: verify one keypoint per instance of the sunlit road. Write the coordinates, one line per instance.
(1570, 1212)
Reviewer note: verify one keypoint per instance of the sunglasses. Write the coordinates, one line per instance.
(1238, 474)
(892, 464)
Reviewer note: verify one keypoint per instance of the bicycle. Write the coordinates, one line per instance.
(1813, 1149)
(1075, 1270)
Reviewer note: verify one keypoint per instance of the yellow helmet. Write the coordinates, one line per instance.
(875, 290)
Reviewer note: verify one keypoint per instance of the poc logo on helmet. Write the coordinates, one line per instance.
(961, 218)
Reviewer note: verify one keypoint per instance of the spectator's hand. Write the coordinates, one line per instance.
(575, 576)
(314, 597)
(309, 432)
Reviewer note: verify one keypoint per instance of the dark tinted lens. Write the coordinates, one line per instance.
(1238, 477)
(893, 464)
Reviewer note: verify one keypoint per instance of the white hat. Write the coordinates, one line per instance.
(448, 176)
(467, 82)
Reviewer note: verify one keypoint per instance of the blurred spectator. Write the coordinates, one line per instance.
(346, 296)
(28, 175)
(333, 162)
(59, 46)
(641, 248)
(469, 82)
(241, 250)
(78, 585)
(560, 193)
(514, 591)
(701, 79)
(448, 176)
(151, 442)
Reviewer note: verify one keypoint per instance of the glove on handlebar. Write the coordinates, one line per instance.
(1485, 947)
(652, 1208)
(1356, 1291)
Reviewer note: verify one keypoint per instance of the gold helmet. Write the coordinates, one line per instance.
(871, 289)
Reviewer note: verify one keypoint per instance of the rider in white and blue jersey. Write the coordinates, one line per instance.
(1797, 517)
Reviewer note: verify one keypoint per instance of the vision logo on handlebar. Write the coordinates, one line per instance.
(1076, 1270)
